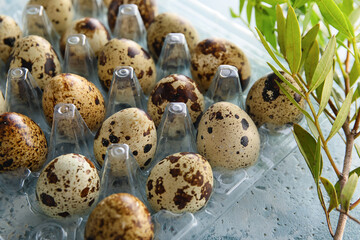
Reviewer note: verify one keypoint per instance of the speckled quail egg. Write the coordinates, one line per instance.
(72, 88)
(267, 104)
(181, 182)
(22, 143)
(37, 55)
(119, 216)
(124, 52)
(2, 104)
(147, 8)
(227, 137)
(95, 32)
(166, 23)
(175, 88)
(60, 12)
(9, 33)
(67, 186)
(131, 126)
(210, 53)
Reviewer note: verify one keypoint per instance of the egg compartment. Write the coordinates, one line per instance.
(229, 186)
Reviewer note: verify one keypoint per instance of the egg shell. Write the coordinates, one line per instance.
(38, 56)
(227, 137)
(67, 186)
(72, 88)
(175, 88)
(124, 52)
(95, 32)
(166, 23)
(119, 216)
(210, 53)
(181, 182)
(2, 104)
(131, 126)
(22, 143)
(267, 104)
(60, 13)
(147, 8)
(10, 32)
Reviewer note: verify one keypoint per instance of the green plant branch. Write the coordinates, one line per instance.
(356, 125)
(344, 73)
(355, 204)
(322, 202)
(348, 215)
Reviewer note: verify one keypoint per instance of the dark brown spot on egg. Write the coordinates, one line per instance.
(147, 132)
(150, 185)
(135, 153)
(211, 46)
(47, 200)
(147, 162)
(91, 202)
(8, 162)
(175, 172)
(173, 159)
(209, 130)
(140, 75)
(219, 116)
(244, 141)
(105, 142)
(271, 90)
(97, 101)
(147, 148)
(245, 124)
(149, 72)
(181, 198)
(84, 192)
(9, 41)
(26, 64)
(206, 191)
(50, 67)
(159, 188)
(127, 138)
(102, 59)
(132, 52)
(196, 179)
(113, 138)
(64, 214)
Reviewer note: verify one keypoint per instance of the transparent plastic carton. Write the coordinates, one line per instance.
(21, 216)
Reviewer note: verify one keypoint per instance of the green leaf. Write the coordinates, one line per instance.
(357, 147)
(307, 17)
(274, 2)
(356, 94)
(341, 116)
(326, 91)
(280, 20)
(331, 192)
(337, 184)
(311, 62)
(324, 65)
(334, 16)
(241, 6)
(347, 6)
(312, 127)
(299, 3)
(293, 41)
(310, 150)
(354, 74)
(308, 41)
(233, 14)
(348, 191)
(271, 53)
(249, 8)
(354, 16)
(265, 21)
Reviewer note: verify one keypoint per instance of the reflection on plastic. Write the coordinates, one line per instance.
(13, 181)
(225, 86)
(88, 8)
(130, 25)
(125, 91)
(174, 57)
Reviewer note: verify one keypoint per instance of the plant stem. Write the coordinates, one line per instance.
(355, 204)
(351, 217)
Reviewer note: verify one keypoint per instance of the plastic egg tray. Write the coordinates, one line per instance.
(21, 217)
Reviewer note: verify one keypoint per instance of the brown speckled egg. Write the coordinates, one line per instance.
(267, 104)
(181, 182)
(131, 126)
(38, 56)
(22, 143)
(227, 137)
(95, 32)
(175, 88)
(124, 52)
(9, 33)
(119, 216)
(60, 12)
(69, 185)
(72, 88)
(147, 8)
(166, 23)
(210, 53)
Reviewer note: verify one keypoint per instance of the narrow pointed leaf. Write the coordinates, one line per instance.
(324, 66)
(337, 184)
(308, 147)
(326, 91)
(308, 41)
(334, 16)
(280, 20)
(318, 161)
(233, 14)
(311, 62)
(331, 192)
(348, 191)
(354, 74)
(299, 3)
(241, 6)
(271, 53)
(307, 18)
(356, 94)
(293, 41)
(357, 147)
(312, 127)
(342, 115)
(249, 8)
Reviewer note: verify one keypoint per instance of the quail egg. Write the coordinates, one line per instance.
(227, 137)
(267, 104)
(119, 216)
(124, 52)
(181, 182)
(147, 8)
(72, 88)
(9, 33)
(210, 53)
(67, 186)
(60, 13)
(175, 88)
(22, 143)
(131, 126)
(37, 55)
(166, 23)
(95, 32)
